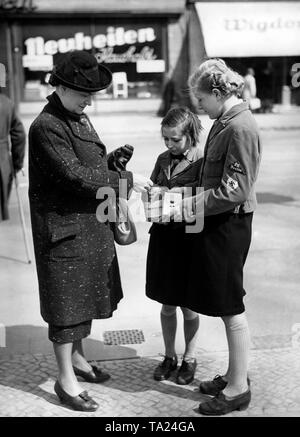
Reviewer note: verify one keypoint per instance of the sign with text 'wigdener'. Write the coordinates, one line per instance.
(236, 29)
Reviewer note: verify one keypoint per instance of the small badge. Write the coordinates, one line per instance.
(236, 166)
(231, 184)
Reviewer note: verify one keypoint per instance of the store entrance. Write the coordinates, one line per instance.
(271, 74)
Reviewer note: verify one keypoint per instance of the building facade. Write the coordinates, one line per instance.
(151, 42)
(129, 37)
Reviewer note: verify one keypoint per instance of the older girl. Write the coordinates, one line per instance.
(169, 245)
(229, 171)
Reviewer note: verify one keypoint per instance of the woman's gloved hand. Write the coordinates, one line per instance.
(118, 158)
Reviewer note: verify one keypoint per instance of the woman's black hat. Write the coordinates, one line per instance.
(80, 71)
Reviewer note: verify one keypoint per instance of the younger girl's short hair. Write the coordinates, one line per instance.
(215, 74)
(188, 121)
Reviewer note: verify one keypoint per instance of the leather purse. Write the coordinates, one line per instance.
(124, 228)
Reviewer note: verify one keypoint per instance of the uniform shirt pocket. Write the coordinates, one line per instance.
(214, 165)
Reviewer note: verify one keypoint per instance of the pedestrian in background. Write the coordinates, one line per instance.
(228, 174)
(76, 259)
(168, 260)
(249, 90)
(12, 150)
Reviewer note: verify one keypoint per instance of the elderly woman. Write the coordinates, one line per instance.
(76, 259)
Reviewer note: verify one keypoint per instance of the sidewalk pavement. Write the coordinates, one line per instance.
(27, 387)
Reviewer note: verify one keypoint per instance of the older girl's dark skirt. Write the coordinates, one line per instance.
(203, 272)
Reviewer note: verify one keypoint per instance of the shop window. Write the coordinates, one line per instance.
(120, 84)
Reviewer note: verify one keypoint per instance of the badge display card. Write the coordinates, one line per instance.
(170, 201)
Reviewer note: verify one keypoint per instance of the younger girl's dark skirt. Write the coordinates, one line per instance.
(204, 271)
(168, 265)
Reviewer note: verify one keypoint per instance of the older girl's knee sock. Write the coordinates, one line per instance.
(238, 338)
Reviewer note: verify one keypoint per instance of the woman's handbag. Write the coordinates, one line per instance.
(124, 228)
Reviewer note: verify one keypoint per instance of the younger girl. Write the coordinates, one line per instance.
(169, 246)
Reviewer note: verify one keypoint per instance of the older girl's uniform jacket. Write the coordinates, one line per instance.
(230, 165)
(76, 260)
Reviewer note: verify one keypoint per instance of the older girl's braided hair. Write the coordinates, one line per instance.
(215, 74)
(188, 121)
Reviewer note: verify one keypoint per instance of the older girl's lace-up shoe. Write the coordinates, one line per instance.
(215, 386)
(165, 368)
(222, 404)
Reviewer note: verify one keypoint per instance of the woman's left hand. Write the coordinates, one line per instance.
(141, 183)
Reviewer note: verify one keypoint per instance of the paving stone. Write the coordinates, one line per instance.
(27, 388)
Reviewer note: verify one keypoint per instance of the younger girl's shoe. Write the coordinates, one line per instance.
(186, 372)
(165, 368)
(82, 402)
(222, 404)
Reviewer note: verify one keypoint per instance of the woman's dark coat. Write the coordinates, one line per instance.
(76, 259)
(12, 148)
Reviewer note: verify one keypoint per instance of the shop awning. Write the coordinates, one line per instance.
(163, 7)
(250, 29)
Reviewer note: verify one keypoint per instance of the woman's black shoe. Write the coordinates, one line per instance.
(82, 402)
(215, 386)
(222, 404)
(95, 375)
(164, 369)
(186, 372)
